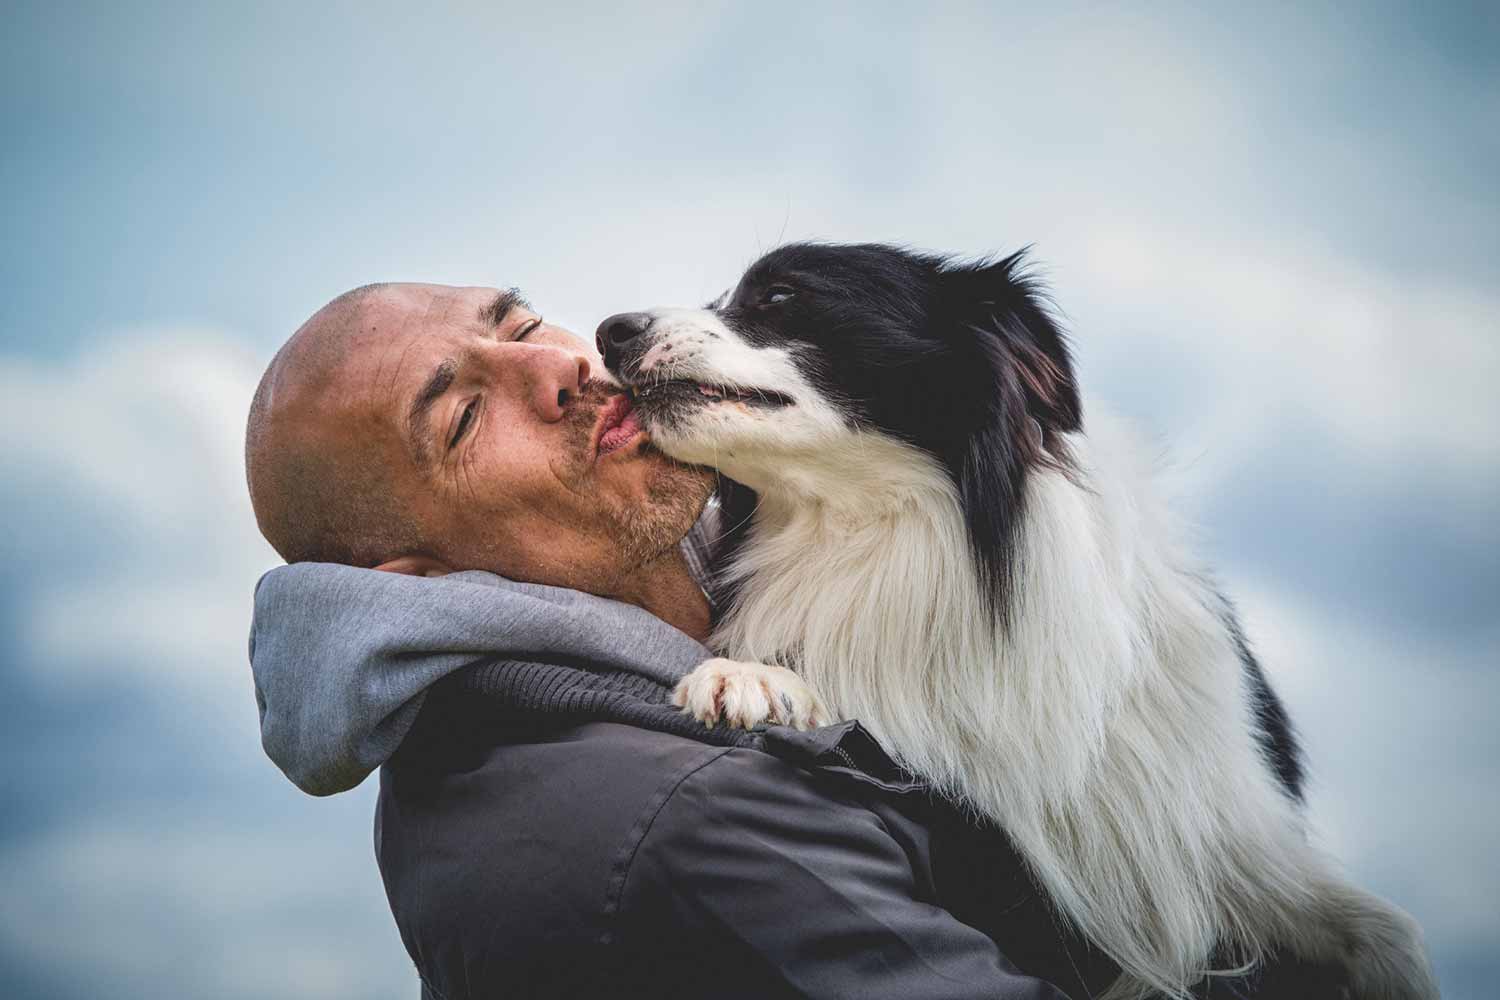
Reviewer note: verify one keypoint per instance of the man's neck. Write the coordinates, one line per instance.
(665, 588)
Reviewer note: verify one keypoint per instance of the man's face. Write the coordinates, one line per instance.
(491, 420)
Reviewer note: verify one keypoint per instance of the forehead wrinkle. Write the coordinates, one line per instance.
(384, 389)
(399, 366)
(385, 394)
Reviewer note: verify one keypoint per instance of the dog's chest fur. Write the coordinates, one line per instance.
(1100, 723)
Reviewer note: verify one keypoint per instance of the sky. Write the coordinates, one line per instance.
(1271, 231)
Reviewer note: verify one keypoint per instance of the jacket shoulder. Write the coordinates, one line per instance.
(502, 857)
(773, 880)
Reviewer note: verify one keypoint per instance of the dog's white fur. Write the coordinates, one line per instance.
(1106, 725)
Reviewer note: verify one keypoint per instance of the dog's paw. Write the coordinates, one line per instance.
(748, 694)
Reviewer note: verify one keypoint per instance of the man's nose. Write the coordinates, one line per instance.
(554, 378)
(619, 338)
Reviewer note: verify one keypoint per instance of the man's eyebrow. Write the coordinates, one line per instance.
(494, 312)
(416, 418)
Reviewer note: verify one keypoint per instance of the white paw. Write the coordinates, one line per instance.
(747, 694)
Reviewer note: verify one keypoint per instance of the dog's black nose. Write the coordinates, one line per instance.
(615, 334)
(621, 328)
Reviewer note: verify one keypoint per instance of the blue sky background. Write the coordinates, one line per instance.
(1273, 231)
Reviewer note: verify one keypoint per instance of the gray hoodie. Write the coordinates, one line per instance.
(343, 657)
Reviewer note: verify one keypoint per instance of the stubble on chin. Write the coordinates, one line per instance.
(674, 493)
(674, 497)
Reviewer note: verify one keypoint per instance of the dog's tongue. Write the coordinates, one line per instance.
(619, 433)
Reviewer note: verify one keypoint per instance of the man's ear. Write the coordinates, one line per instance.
(416, 566)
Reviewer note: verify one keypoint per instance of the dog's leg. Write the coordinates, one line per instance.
(748, 694)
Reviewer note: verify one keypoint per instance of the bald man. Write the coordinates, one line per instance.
(422, 428)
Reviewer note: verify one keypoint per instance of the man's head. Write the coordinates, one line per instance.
(425, 428)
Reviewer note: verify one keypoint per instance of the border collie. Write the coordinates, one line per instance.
(941, 551)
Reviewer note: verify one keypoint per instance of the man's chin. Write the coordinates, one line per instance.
(669, 500)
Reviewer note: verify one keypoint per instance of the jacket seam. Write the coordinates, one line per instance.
(620, 876)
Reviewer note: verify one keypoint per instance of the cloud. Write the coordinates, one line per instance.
(191, 906)
(1401, 745)
(170, 857)
(140, 441)
(1397, 368)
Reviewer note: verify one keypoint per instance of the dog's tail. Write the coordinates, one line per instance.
(1377, 943)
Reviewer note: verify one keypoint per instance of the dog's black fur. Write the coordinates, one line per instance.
(953, 358)
(962, 359)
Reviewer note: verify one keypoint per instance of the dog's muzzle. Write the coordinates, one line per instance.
(621, 340)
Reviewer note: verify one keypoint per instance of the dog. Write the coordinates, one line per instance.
(939, 550)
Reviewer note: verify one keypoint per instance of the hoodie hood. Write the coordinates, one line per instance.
(343, 657)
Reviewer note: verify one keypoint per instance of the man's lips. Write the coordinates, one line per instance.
(618, 425)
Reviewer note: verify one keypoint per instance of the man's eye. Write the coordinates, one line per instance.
(529, 328)
(463, 423)
(777, 294)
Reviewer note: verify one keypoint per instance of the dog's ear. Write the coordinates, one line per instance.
(1022, 369)
(1005, 308)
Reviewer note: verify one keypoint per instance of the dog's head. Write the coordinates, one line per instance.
(820, 346)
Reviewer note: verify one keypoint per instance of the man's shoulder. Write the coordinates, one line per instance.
(516, 850)
(583, 787)
(511, 801)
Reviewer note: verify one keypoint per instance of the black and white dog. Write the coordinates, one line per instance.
(940, 551)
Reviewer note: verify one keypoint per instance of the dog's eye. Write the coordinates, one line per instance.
(777, 294)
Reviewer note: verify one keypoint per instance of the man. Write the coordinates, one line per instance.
(420, 428)
(548, 824)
